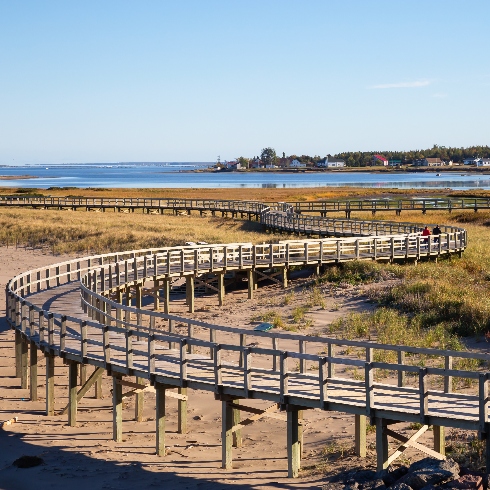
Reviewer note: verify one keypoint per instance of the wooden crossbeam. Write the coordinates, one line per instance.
(258, 414)
(265, 276)
(96, 375)
(129, 384)
(147, 388)
(207, 283)
(411, 441)
(138, 390)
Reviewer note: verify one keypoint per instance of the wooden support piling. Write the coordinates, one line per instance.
(221, 288)
(156, 294)
(237, 434)
(72, 393)
(139, 402)
(98, 388)
(49, 385)
(117, 407)
(160, 419)
(250, 277)
(293, 442)
(83, 374)
(166, 295)
(33, 371)
(182, 411)
(24, 355)
(381, 444)
(439, 439)
(226, 435)
(360, 435)
(189, 289)
(18, 353)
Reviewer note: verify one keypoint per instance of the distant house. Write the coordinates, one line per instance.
(471, 161)
(296, 164)
(283, 162)
(330, 162)
(394, 162)
(232, 165)
(483, 162)
(380, 159)
(428, 162)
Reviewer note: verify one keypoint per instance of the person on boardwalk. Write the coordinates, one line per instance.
(436, 232)
(425, 234)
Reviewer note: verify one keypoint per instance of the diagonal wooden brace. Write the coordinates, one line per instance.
(258, 414)
(96, 375)
(411, 441)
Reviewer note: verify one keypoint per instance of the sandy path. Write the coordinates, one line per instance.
(86, 457)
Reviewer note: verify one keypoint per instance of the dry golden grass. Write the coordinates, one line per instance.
(80, 231)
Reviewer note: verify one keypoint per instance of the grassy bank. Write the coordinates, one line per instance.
(92, 232)
(431, 304)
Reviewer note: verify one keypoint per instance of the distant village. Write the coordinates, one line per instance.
(330, 162)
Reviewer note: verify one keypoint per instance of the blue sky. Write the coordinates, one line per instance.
(109, 81)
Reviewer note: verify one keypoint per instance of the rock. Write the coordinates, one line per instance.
(28, 461)
(377, 484)
(355, 476)
(351, 486)
(391, 474)
(332, 486)
(446, 464)
(430, 471)
(400, 486)
(467, 481)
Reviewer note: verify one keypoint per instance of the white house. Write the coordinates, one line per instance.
(297, 164)
(330, 162)
(471, 161)
(483, 162)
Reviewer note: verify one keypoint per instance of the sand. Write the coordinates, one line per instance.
(86, 457)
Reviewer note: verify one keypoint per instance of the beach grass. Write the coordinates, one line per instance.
(93, 232)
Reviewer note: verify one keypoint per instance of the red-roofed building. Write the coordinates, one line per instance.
(380, 159)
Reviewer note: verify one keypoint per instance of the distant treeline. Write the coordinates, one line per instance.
(457, 155)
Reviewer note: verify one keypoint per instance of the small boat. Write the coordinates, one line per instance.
(438, 175)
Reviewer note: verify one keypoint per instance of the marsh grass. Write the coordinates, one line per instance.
(80, 231)
(431, 304)
(360, 272)
(272, 317)
(465, 448)
(315, 298)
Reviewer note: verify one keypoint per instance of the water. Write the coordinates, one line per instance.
(180, 175)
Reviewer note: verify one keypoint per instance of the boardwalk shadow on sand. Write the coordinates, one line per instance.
(64, 468)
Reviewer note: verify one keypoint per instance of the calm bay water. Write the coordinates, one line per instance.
(180, 176)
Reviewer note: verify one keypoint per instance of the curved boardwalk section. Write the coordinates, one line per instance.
(90, 311)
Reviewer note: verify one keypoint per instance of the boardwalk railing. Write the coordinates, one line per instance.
(295, 371)
(303, 207)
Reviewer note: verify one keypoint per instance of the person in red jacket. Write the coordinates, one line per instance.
(426, 233)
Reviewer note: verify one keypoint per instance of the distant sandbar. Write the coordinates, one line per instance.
(16, 177)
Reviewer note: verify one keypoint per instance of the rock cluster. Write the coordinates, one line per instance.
(427, 474)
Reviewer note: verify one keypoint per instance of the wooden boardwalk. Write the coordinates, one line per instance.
(247, 208)
(90, 311)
